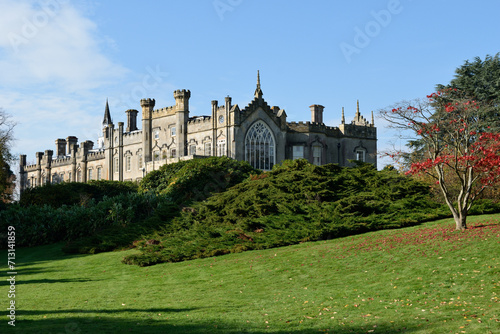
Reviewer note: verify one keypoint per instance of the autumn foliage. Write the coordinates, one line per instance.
(456, 148)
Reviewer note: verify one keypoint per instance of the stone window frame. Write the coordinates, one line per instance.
(99, 172)
(315, 148)
(260, 134)
(207, 141)
(156, 155)
(192, 143)
(360, 149)
(89, 173)
(221, 146)
(172, 130)
(138, 154)
(302, 146)
(79, 174)
(128, 160)
(156, 133)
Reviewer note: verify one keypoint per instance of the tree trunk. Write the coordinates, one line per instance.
(461, 221)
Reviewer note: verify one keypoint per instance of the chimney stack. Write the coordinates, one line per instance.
(60, 148)
(71, 142)
(317, 113)
(131, 120)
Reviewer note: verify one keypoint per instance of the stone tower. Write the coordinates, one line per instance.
(182, 117)
(147, 112)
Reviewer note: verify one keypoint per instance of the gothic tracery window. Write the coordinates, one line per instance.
(260, 146)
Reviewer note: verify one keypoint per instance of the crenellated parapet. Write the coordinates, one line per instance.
(30, 168)
(149, 103)
(182, 94)
(133, 134)
(93, 156)
(61, 161)
(305, 127)
(162, 112)
(353, 130)
(199, 120)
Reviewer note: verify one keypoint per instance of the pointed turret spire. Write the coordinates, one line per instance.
(373, 122)
(343, 118)
(258, 91)
(358, 115)
(107, 116)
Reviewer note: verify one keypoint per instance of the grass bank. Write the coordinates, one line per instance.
(423, 279)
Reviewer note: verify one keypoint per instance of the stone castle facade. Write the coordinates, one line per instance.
(258, 133)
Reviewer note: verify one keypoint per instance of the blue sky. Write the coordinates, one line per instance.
(60, 59)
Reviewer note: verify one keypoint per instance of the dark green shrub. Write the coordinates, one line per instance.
(194, 180)
(56, 195)
(295, 202)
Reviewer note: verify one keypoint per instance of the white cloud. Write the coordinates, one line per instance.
(51, 42)
(54, 69)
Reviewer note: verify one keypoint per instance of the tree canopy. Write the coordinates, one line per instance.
(6, 174)
(479, 80)
(456, 146)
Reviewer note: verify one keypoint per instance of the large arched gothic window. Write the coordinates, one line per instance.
(260, 146)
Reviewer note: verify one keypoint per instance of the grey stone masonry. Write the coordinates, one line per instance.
(257, 133)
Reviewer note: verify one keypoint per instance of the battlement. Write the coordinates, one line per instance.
(30, 168)
(313, 127)
(362, 131)
(98, 155)
(148, 103)
(182, 93)
(61, 161)
(162, 112)
(199, 119)
(133, 134)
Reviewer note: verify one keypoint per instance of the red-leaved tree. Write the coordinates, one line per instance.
(455, 146)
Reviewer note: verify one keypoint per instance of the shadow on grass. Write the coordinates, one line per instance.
(47, 281)
(157, 322)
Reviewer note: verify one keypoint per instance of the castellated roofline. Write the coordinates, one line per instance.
(200, 119)
(148, 102)
(186, 93)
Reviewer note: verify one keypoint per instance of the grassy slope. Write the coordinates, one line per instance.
(425, 279)
(293, 203)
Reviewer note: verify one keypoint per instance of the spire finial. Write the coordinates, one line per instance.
(258, 91)
(343, 118)
(107, 115)
(373, 122)
(357, 107)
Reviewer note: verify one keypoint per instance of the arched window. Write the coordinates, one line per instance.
(360, 152)
(260, 147)
(316, 151)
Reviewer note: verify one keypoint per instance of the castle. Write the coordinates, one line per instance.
(258, 133)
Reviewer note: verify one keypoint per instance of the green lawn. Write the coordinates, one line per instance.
(425, 279)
